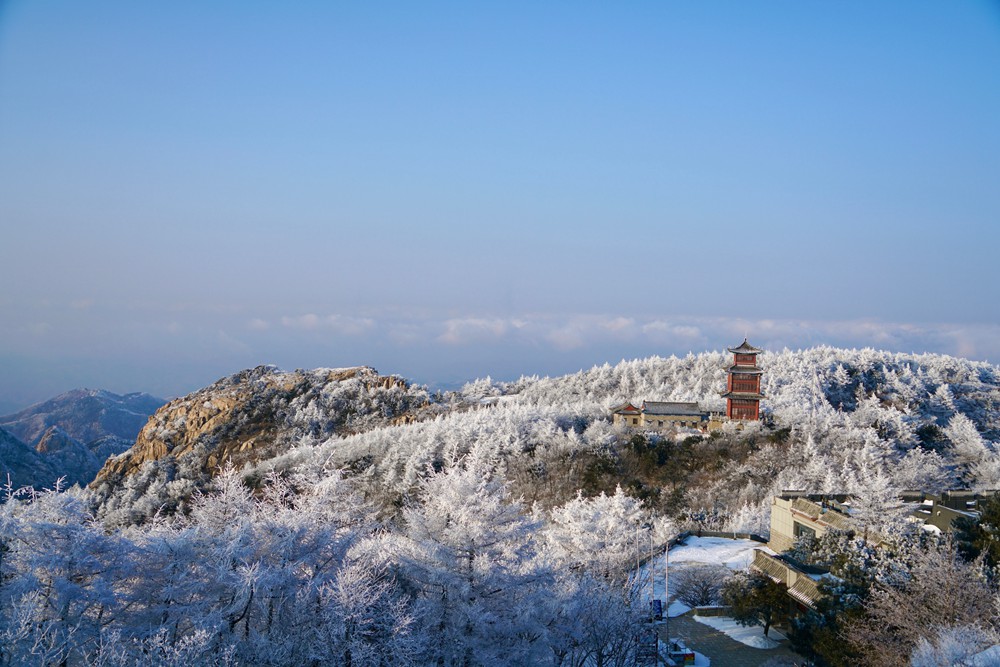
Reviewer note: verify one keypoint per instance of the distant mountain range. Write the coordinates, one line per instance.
(70, 436)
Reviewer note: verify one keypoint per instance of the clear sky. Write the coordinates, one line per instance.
(450, 190)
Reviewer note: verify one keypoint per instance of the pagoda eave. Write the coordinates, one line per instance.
(736, 368)
(741, 394)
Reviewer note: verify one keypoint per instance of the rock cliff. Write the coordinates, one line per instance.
(251, 416)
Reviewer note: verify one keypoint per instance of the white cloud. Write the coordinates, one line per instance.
(660, 330)
(582, 330)
(463, 330)
(628, 335)
(348, 326)
(342, 324)
(307, 321)
(39, 328)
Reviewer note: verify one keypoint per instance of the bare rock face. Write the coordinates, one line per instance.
(254, 414)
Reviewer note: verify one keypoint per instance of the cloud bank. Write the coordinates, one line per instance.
(565, 334)
(174, 351)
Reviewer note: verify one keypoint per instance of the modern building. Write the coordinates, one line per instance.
(795, 514)
(801, 581)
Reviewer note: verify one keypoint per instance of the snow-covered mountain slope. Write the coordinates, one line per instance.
(841, 420)
(254, 415)
(367, 521)
(22, 466)
(85, 415)
(73, 460)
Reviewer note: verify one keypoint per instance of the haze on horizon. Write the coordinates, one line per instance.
(446, 191)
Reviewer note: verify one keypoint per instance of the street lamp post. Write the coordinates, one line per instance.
(652, 573)
(666, 593)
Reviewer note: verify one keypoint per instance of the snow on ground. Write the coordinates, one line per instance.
(734, 554)
(750, 635)
(677, 608)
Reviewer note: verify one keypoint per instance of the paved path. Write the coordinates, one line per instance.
(726, 652)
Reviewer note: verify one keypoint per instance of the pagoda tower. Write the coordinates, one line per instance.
(743, 384)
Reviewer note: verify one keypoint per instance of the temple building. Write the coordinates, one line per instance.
(743, 384)
(660, 415)
(742, 401)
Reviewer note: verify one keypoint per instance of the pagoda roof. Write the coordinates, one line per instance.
(742, 394)
(625, 408)
(745, 348)
(750, 370)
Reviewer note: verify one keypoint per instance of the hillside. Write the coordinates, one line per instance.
(246, 418)
(841, 420)
(84, 415)
(20, 465)
(73, 460)
(75, 432)
(335, 516)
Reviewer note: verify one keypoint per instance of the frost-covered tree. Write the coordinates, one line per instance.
(603, 534)
(938, 589)
(63, 581)
(754, 599)
(699, 585)
(955, 645)
(469, 550)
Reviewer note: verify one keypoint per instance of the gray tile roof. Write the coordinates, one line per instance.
(745, 348)
(678, 409)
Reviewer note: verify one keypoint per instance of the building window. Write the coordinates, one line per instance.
(803, 531)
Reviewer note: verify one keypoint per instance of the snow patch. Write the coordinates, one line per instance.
(752, 635)
(677, 608)
(734, 554)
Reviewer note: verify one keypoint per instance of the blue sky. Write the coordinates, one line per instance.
(449, 190)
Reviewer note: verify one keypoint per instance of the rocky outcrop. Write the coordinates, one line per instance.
(254, 414)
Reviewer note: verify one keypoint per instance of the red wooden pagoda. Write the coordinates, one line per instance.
(743, 383)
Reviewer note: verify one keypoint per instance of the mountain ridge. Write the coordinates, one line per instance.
(84, 414)
(924, 421)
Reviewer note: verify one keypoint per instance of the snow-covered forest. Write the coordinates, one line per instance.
(495, 525)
